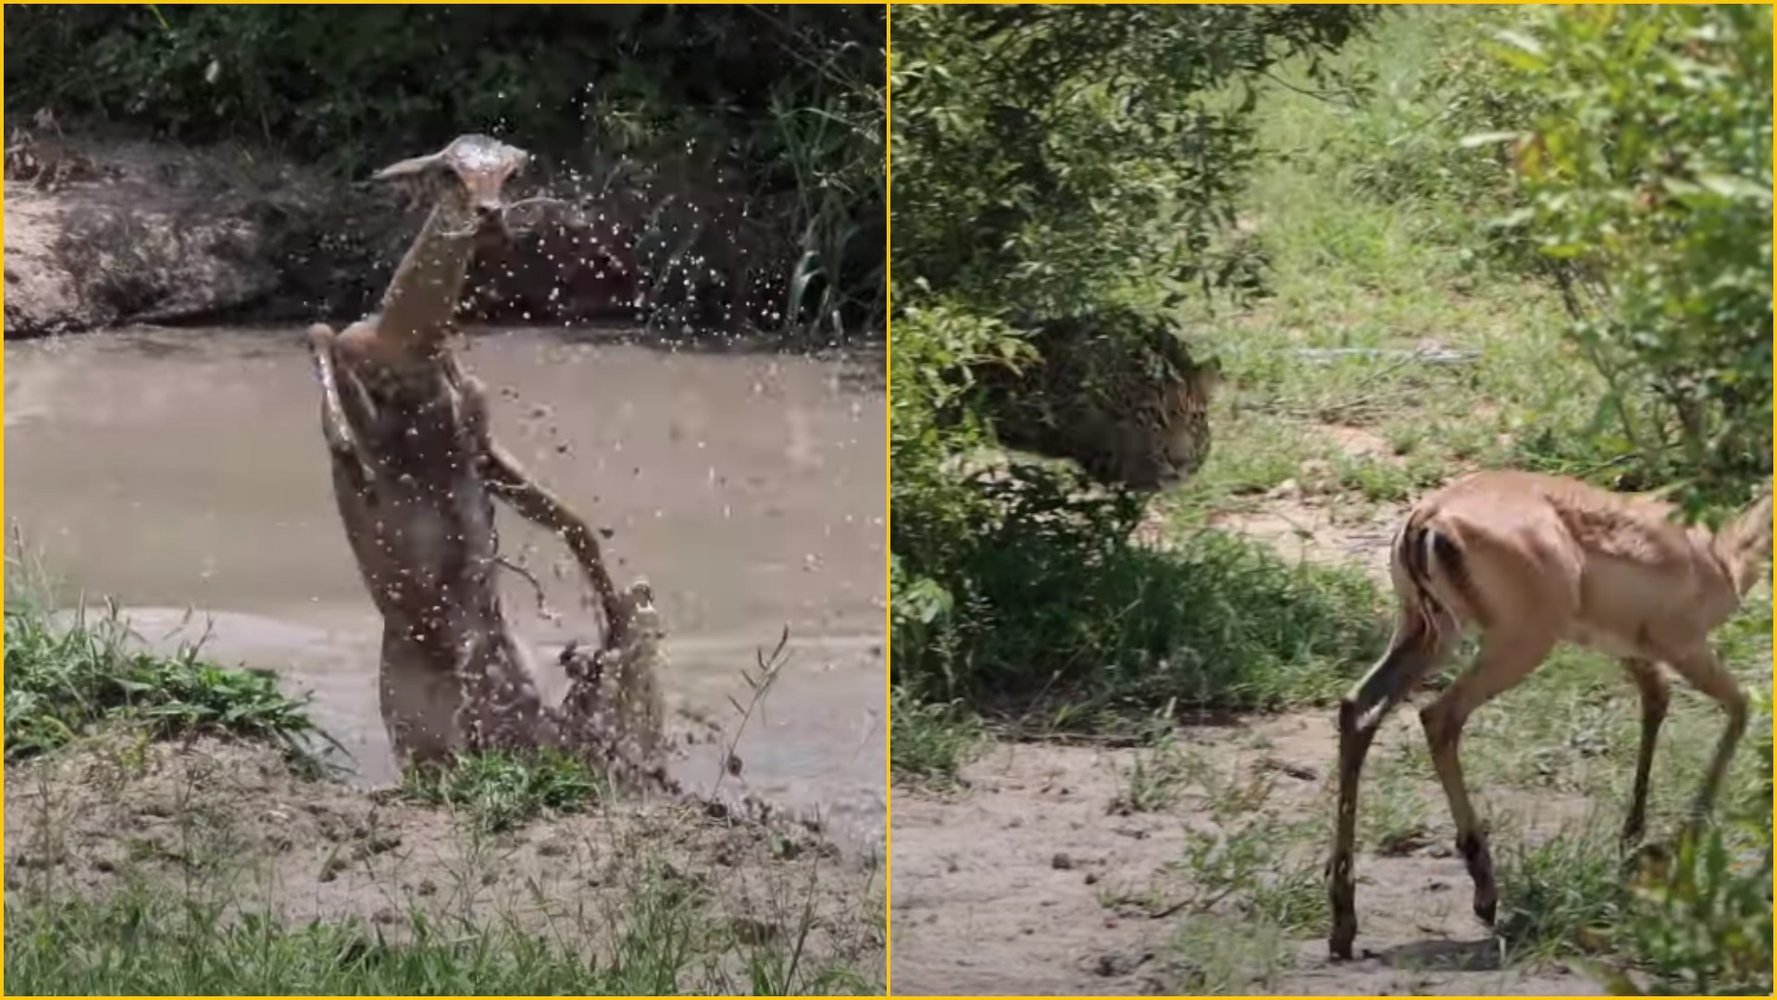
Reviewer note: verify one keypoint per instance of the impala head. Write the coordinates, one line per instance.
(468, 179)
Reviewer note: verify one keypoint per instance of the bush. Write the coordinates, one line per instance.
(1035, 187)
(1647, 179)
(1044, 604)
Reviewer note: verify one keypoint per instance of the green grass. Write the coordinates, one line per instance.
(931, 742)
(500, 790)
(146, 943)
(65, 677)
(1385, 267)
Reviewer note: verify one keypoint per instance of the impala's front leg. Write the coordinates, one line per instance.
(336, 427)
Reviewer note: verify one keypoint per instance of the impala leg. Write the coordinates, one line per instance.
(1705, 672)
(1417, 647)
(336, 427)
(1656, 695)
(1505, 660)
(510, 482)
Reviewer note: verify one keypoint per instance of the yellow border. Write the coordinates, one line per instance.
(2, 481)
(888, 509)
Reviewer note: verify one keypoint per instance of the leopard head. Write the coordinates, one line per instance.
(1158, 436)
(1118, 393)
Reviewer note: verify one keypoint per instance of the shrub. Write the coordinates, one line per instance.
(1035, 187)
(1647, 179)
(1700, 923)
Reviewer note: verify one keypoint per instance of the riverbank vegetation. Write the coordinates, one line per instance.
(724, 138)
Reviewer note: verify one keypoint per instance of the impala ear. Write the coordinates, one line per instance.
(411, 167)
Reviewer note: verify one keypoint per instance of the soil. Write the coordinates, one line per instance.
(1002, 888)
(227, 821)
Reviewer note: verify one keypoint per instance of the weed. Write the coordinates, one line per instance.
(502, 789)
(1213, 955)
(931, 742)
(64, 677)
(1560, 896)
(1155, 779)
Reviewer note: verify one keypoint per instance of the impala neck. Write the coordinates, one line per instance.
(422, 296)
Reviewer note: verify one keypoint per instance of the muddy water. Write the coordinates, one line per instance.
(184, 470)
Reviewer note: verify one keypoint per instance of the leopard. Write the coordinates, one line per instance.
(1116, 392)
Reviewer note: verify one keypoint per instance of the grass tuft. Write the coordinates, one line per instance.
(65, 676)
(501, 790)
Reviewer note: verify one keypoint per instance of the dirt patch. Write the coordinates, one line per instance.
(1033, 881)
(1319, 529)
(231, 822)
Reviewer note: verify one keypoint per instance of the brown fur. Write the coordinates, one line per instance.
(1528, 561)
(415, 472)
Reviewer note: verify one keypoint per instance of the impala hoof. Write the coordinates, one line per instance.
(1487, 910)
(1339, 941)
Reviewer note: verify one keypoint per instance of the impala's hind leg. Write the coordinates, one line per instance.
(1656, 695)
(1420, 643)
(1506, 658)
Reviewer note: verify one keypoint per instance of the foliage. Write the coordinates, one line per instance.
(502, 790)
(1040, 601)
(931, 741)
(1056, 163)
(1647, 177)
(64, 677)
(1700, 923)
(748, 115)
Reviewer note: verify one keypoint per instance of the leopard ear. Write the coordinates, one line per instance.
(1208, 373)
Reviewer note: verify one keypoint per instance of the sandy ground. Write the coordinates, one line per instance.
(1034, 878)
(1014, 885)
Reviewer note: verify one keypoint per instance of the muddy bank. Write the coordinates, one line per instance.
(1037, 879)
(110, 233)
(227, 824)
(184, 470)
(102, 234)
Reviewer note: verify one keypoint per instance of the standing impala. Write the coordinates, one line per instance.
(1528, 561)
(415, 473)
